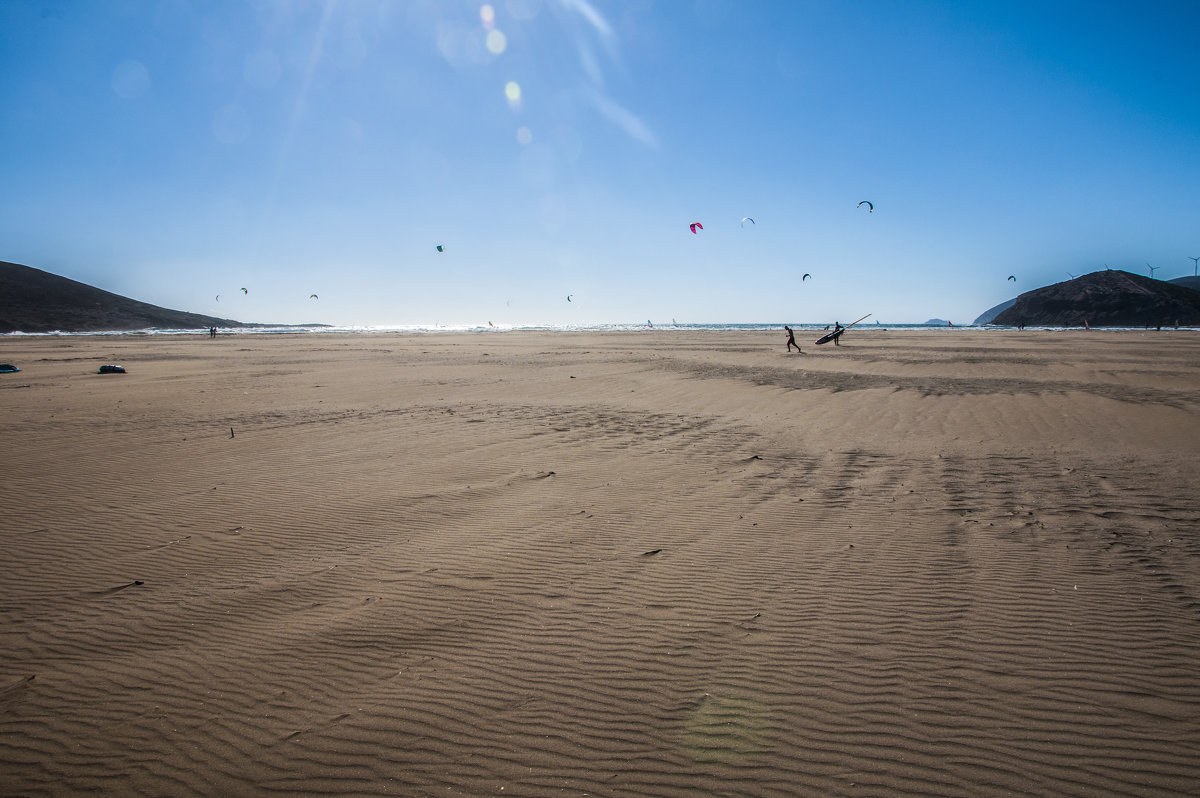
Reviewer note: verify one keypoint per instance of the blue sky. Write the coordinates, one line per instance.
(174, 151)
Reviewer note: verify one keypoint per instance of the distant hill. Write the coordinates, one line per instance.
(1110, 298)
(991, 313)
(1187, 282)
(32, 300)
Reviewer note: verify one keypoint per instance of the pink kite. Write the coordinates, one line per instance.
(696, 226)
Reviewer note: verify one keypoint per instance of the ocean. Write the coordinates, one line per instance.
(284, 329)
(321, 329)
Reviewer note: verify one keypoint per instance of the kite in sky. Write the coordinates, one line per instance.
(747, 219)
(313, 296)
(1012, 277)
(806, 276)
(696, 226)
(244, 291)
(440, 248)
(569, 297)
(870, 207)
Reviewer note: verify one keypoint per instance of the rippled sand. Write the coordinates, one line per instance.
(955, 563)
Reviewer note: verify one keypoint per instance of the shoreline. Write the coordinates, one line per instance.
(328, 329)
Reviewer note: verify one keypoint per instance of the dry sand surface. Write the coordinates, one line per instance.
(655, 563)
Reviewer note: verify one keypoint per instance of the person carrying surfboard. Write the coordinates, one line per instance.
(838, 329)
(792, 341)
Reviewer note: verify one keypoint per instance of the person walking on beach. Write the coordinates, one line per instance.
(792, 341)
(837, 333)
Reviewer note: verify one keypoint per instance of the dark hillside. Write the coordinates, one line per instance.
(32, 300)
(1109, 298)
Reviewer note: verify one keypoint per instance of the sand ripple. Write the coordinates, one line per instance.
(602, 565)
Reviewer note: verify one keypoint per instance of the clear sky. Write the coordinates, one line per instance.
(177, 150)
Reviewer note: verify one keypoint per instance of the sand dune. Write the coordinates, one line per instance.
(654, 563)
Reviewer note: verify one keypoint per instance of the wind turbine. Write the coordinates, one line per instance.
(1195, 265)
(1152, 270)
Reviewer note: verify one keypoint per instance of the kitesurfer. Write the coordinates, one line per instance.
(837, 333)
(792, 341)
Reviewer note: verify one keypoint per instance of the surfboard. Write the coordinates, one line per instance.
(833, 336)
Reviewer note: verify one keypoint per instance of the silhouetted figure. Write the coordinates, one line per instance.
(837, 333)
(792, 340)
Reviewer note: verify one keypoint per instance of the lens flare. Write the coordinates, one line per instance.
(512, 90)
(487, 15)
(524, 135)
(497, 42)
(130, 79)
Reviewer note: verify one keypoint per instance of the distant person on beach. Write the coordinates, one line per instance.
(212, 332)
(792, 340)
(837, 333)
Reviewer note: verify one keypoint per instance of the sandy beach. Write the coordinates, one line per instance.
(659, 563)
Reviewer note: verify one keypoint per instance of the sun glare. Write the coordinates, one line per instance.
(497, 42)
(512, 90)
